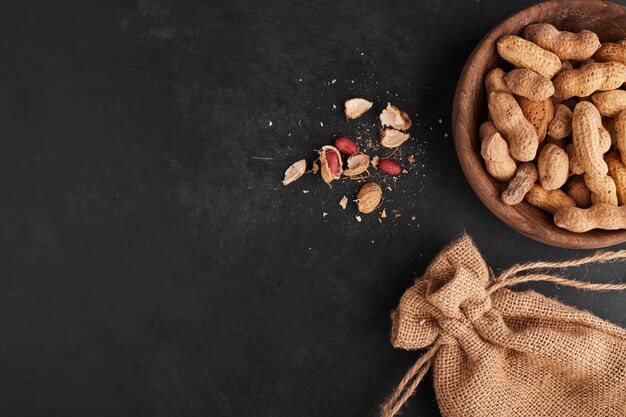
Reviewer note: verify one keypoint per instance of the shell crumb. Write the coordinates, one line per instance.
(343, 202)
(356, 107)
(295, 171)
(395, 118)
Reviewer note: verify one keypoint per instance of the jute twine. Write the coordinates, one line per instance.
(508, 278)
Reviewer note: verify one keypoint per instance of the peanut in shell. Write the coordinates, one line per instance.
(617, 171)
(566, 45)
(526, 83)
(524, 54)
(553, 167)
(509, 119)
(587, 142)
(584, 81)
(538, 113)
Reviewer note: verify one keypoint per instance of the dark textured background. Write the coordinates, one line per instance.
(152, 264)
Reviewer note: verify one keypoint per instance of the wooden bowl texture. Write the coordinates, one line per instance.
(469, 111)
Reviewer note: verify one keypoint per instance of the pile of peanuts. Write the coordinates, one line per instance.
(557, 126)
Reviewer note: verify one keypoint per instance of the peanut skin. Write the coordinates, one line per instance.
(517, 130)
(538, 113)
(550, 201)
(529, 84)
(561, 125)
(587, 141)
(566, 45)
(599, 216)
(521, 183)
(524, 54)
(584, 81)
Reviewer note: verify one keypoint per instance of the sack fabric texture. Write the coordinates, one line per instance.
(507, 353)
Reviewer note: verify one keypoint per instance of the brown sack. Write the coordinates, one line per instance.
(497, 352)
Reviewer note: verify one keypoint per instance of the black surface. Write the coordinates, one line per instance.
(152, 262)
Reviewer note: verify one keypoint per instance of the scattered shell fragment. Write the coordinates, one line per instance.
(357, 164)
(358, 218)
(315, 167)
(411, 158)
(343, 202)
(295, 171)
(374, 162)
(383, 214)
(356, 107)
(369, 197)
(391, 138)
(395, 118)
(324, 214)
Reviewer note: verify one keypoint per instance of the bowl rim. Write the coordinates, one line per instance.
(521, 217)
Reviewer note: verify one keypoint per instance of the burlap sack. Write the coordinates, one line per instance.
(497, 352)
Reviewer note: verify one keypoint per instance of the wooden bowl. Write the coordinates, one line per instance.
(469, 111)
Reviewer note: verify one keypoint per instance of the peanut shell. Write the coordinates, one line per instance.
(550, 201)
(525, 54)
(617, 171)
(561, 124)
(526, 83)
(602, 189)
(327, 175)
(587, 141)
(584, 81)
(609, 103)
(521, 183)
(566, 45)
(511, 123)
(598, 216)
(553, 167)
(538, 113)
(578, 191)
(369, 197)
